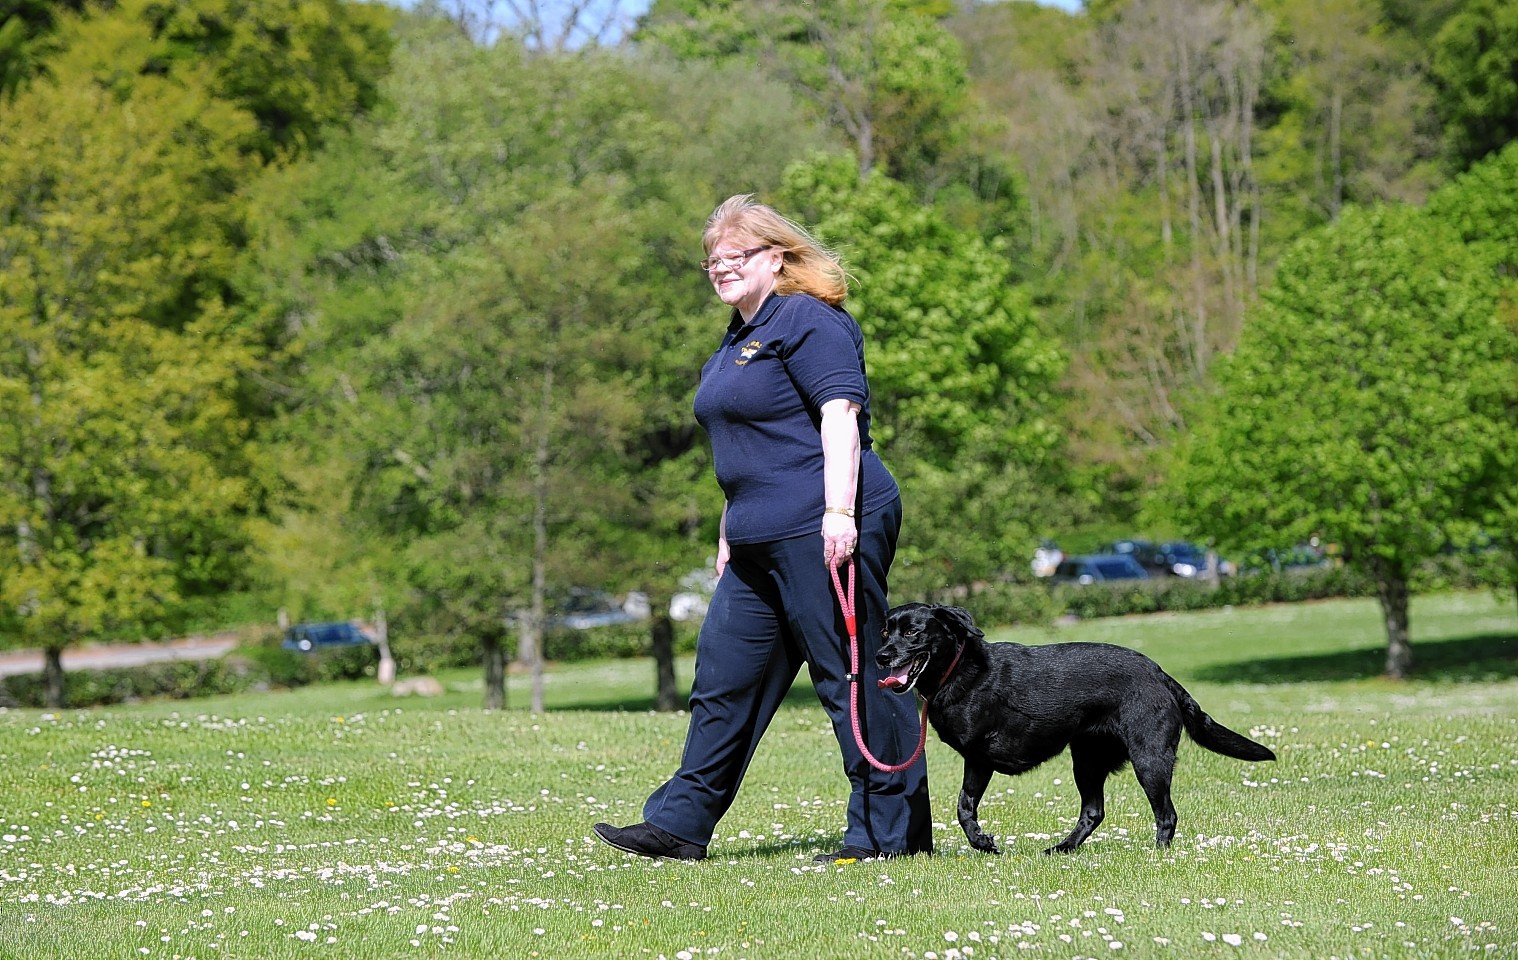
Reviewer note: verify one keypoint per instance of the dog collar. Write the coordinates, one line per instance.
(946, 674)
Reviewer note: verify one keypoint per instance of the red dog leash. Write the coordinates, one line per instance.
(846, 604)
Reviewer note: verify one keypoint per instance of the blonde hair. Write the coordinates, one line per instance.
(806, 265)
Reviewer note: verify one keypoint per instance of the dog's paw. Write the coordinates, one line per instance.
(985, 843)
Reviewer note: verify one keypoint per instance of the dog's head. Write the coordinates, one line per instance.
(921, 641)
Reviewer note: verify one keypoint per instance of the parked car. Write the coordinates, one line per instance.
(1183, 559)
(1174, 558)
(583, 609)
(1099, 568)
(311, 637)
(1146, 552)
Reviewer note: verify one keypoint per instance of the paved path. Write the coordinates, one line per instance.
(112, 656)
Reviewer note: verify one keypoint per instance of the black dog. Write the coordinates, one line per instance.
(1007, 708)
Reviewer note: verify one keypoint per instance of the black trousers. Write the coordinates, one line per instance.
(774, 608)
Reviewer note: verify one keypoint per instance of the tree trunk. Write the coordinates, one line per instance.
(662, 638)
(540, 533)
(1196, 345)
(1391, 590)
(495, 672)
(54, 693)
(527, 638)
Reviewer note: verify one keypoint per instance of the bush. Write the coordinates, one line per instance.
(618, 641)
(428, 653)
(1011, 604)
(258, 663)
(174, 680)
(1446, 572)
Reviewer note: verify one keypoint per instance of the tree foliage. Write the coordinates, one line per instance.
(1476, 63)
(1369, 404)
(1481, 206)
(124, 451)
(961, 373)
(882, 72)
(300, 67)
(443, 356)
(126, 352)
(516, 402)
(26, 39)
(1171, 150)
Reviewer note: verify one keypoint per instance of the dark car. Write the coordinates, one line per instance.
(1146, 552)
(583, 609)
(1174, 558)
(311, 637)
(1099, 568)
(1182, 559)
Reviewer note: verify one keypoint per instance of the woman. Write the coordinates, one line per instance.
(786, 403)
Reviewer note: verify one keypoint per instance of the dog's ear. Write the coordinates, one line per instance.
(960, 619)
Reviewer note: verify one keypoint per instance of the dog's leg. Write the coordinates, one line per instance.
(977, 778)
(1154, 774)
(1091, 768)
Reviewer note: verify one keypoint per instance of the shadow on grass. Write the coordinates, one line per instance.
(1482, 658)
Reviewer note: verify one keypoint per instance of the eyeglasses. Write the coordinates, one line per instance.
(732, 261)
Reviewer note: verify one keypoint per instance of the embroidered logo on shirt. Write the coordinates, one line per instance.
(748, 351)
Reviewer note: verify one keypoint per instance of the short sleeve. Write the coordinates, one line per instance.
(824, 358)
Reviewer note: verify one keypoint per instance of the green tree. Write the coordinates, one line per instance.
(961, 374)
(881, 72)
(301, 67)
(1481, 205)
(1476, 66)
(124, 460)
(26, 39)
(1370, 402)
(1354, 109)
(500, 325)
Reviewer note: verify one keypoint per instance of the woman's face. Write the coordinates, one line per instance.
(743, 272)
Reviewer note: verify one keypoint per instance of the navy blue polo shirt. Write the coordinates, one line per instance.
(760, 401)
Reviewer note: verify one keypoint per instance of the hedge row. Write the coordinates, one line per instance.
(1006, 604)
(259, 664)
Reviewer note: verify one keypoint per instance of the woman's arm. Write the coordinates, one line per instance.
(724, 552)
(840, 478)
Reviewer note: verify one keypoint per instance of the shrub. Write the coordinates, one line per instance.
(1011, 604)
(173, 680)
(258, 663)
(619, 641)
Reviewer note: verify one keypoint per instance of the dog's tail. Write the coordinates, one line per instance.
(1208, 733)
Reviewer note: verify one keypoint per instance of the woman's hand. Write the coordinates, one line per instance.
(839, 538)
(724, 553)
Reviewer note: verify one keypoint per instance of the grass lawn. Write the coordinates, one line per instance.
(341, 822)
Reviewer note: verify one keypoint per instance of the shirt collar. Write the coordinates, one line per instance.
(761, 316)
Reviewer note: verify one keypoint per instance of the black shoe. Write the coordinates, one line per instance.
(647, 840)
(850, 854)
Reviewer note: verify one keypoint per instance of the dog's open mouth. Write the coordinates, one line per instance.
(901, 679)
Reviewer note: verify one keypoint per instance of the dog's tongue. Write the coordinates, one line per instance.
(897, 680)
